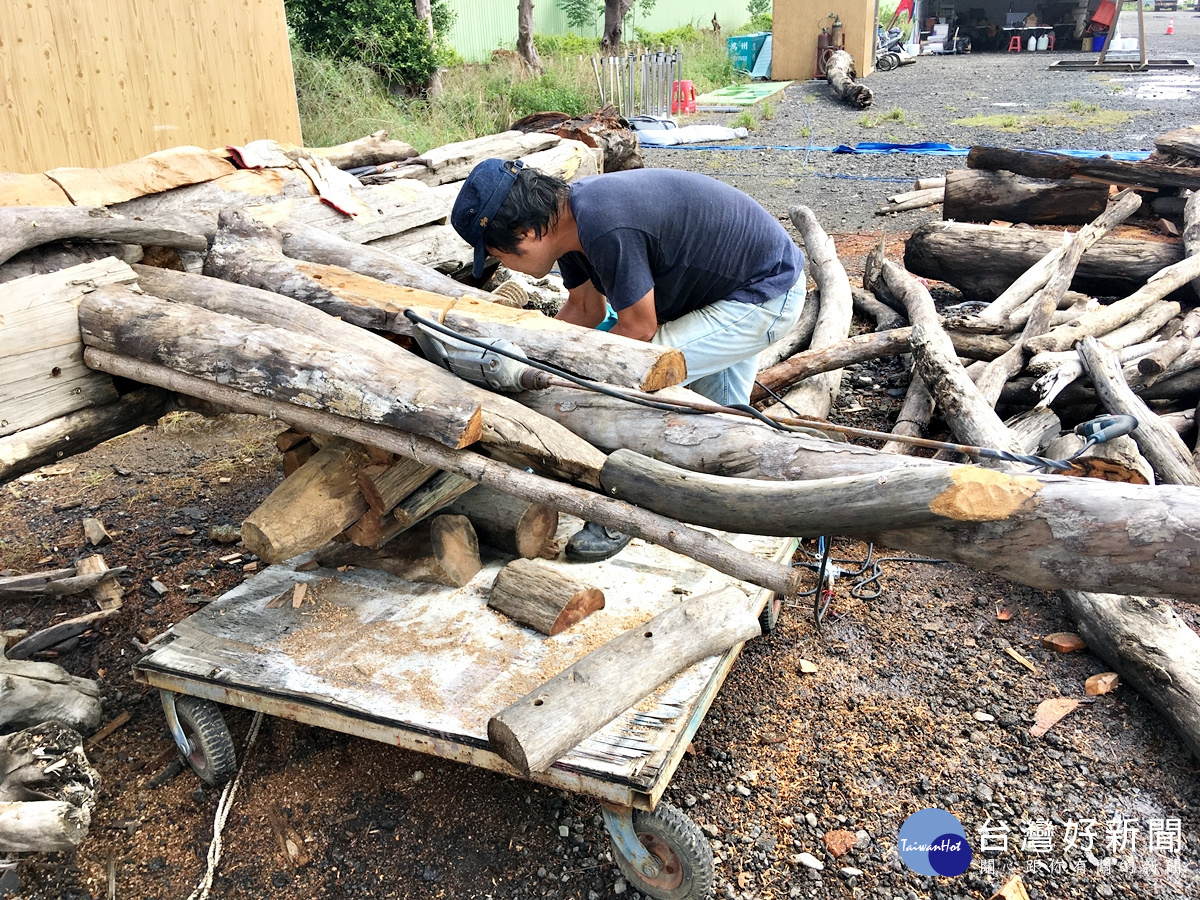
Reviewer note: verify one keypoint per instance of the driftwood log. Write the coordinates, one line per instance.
(542, 597)
(251, 253)
(512, 526)
(47, 789)
(797, 338)
(34, 692)
(507, 427)
(973, 195)
(1035, 164)
(983, 261)
(815, 396)
(551, 719)
(22, 227)
(840, 73)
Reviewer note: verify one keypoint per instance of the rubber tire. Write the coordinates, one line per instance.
(685, 839)
(214, 760)
(887, 61)
(768, 619)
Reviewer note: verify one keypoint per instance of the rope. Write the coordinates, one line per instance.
(224, 805)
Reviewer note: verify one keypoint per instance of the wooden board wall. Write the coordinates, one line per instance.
(796, 24)
(98, 82)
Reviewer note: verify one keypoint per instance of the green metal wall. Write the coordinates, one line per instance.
(486, 25)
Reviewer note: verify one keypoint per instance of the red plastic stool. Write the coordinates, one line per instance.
(1051, 44)
(1014, 43)
(683, 97)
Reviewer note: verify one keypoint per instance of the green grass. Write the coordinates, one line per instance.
(766, 109)
(341, 101)
(745, 119)
(1075, 114)
(896, 114)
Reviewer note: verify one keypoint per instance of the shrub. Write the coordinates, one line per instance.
(550, 44)
(383, 35)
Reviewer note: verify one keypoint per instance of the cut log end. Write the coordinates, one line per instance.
(669, 369)
(579, 607)
(507, 746)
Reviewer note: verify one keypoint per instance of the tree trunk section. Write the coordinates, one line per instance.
(1191, 231)
(512, 526)
(410, 392)
(1150, 647)
(317, 502)
(543, 598)
(982, 261)
(42, 826)
(839, 72)
(22, 227)
(1155, 363)
(614, 18)
(34, 692)
(1180, 142)
(384, 487)
(548, 721)
(443, 550)
(973, 195)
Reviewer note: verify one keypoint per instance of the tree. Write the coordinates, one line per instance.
(384, 35)
(614, 17)
(581, 13)
(525, 48)
(424, 13)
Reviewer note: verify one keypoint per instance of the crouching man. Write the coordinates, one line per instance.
(681, 258)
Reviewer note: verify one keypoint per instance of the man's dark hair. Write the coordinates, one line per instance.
(533, 203)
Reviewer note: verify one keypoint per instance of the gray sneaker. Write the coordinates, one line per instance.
(593, 543)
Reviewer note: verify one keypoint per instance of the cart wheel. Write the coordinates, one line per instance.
(679, 845)
(212, 756)
(768, 619)
(887, 62)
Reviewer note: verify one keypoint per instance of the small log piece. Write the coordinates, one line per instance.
(374, 530)
(551, 719)
(513, 526)
(95, 533)
(541, 597)
(33, 692)
(444, 550)
(385, 486)
(108, 593)
(309, 508)
(47, 789)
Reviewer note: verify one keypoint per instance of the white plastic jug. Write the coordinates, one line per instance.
(1043, 42)
(1032, 45)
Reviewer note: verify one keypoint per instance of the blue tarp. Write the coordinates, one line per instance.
(926, 148)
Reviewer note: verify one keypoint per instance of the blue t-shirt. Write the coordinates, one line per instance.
(690, 237)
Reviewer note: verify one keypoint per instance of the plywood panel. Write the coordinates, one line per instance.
(796, 24)
(99, 82)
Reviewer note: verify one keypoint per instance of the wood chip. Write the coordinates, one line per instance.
(298, 594)
(95, 532)
(839, 842)
(1103, 683)
(807, 668)
(108, 729)
(1022, 660)
(1050, 713)
(1064, 642)
(1014, 889)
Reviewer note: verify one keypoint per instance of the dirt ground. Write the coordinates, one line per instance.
(903, 701)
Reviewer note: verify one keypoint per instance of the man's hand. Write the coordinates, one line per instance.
(639, 321)
(585, 306)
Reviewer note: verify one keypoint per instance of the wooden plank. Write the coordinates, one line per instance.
(42, 375)
(103, 82)
(150, 174)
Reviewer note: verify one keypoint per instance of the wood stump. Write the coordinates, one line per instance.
(541, 597)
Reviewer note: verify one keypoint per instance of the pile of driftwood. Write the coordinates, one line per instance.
(298, 312)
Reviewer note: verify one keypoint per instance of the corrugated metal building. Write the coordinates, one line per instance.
(486, 25)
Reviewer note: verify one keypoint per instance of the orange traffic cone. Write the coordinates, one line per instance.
(1171, 27)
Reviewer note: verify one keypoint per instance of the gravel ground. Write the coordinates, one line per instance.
(845, 189)
(902, 702)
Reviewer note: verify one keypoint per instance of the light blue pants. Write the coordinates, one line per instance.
(721, 342)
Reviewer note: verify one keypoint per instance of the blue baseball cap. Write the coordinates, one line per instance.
(481, 196)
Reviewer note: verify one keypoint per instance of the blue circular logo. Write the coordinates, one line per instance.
(932, 842)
